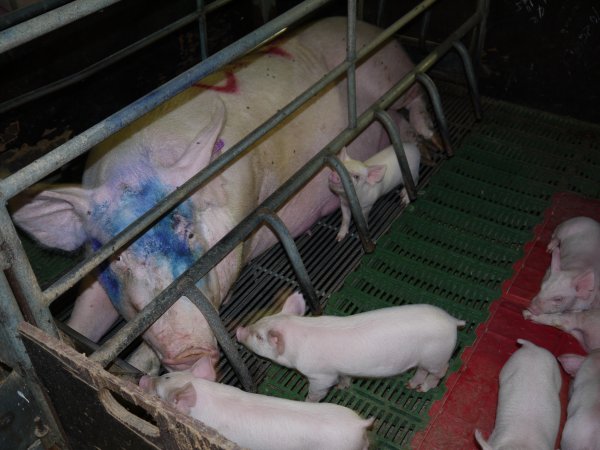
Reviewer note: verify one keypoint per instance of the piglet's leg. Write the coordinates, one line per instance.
(344, 382)
(346, 215)
(568, 322)
(418, 378)
(433, 379)
(319, 386)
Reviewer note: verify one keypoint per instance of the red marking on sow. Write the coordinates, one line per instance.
(275, 50)
(229, 87)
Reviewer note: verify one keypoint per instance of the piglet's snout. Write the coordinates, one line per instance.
(334, 178)
(241, 334)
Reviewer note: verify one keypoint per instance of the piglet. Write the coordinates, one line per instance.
(584, 325)
(582, 429)
(373, 178)
(571, 282)
(528, 412)
(380, 343)
(260, 422)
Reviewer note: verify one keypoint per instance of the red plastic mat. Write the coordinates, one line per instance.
(472, 392)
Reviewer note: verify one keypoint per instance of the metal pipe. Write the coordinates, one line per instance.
(360, 221)
(17, 16)
(115, 57)
(470, 75)
(29, 289)
(426, 19)
(216, 253)
(19, 360)
(50, 21)
(225, 342)
(185, 190)
(81, 143)
(203, 38)
(287, 241)
(392, 130)
(351, 59)
(436, 102)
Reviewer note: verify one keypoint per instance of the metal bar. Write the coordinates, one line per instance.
(423, 30)
(184, 191)
(287, 241)
(50, 21)
(392, 130)
(13, 18)
(202, 30)
(105, 62)
(37, 310)
(470, 75)
(84, 141)
(360, 221)
(14, 354)
(351, 59)
(225, 342)
(436, 102)
(215, 254)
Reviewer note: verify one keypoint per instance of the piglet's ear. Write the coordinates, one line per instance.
(184, 398)
(276, 340)
(571, 363)
(203, 368)
(584, 284)
(344, 155)
(555, 264)
(376, 174)
(294, 305)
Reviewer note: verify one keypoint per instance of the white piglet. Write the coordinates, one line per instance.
(372, 179)
(582, 429)
(260, 422)
(528, 411)
(329, 350)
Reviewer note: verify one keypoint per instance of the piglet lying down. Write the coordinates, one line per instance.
(260, 422)
(329, 350)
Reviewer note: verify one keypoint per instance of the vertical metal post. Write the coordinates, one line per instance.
(202, 30)
(27, 283)
(16, 356)
(351, 58)
(423, 31)
(470, 75)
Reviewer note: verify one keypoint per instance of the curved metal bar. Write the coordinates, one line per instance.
(470, 75)
(211, 315)
(286, 239)
(392, 130)
(360, 220)
(434, 95)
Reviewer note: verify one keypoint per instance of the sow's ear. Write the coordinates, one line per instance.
(184, 398)
(55, 217)
(294, 305)
(199, 152)
(571, 363)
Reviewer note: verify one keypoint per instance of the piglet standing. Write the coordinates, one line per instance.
(572, 281)
(528, 412)
(583, 325)
(372, 179)
(582, 429)
(380, 343)
(260, 422)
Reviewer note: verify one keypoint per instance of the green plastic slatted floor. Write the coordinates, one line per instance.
(455, 245)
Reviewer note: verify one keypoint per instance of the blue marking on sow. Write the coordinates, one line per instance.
(160, 245)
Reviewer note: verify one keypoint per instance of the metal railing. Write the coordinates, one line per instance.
(36, 301)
